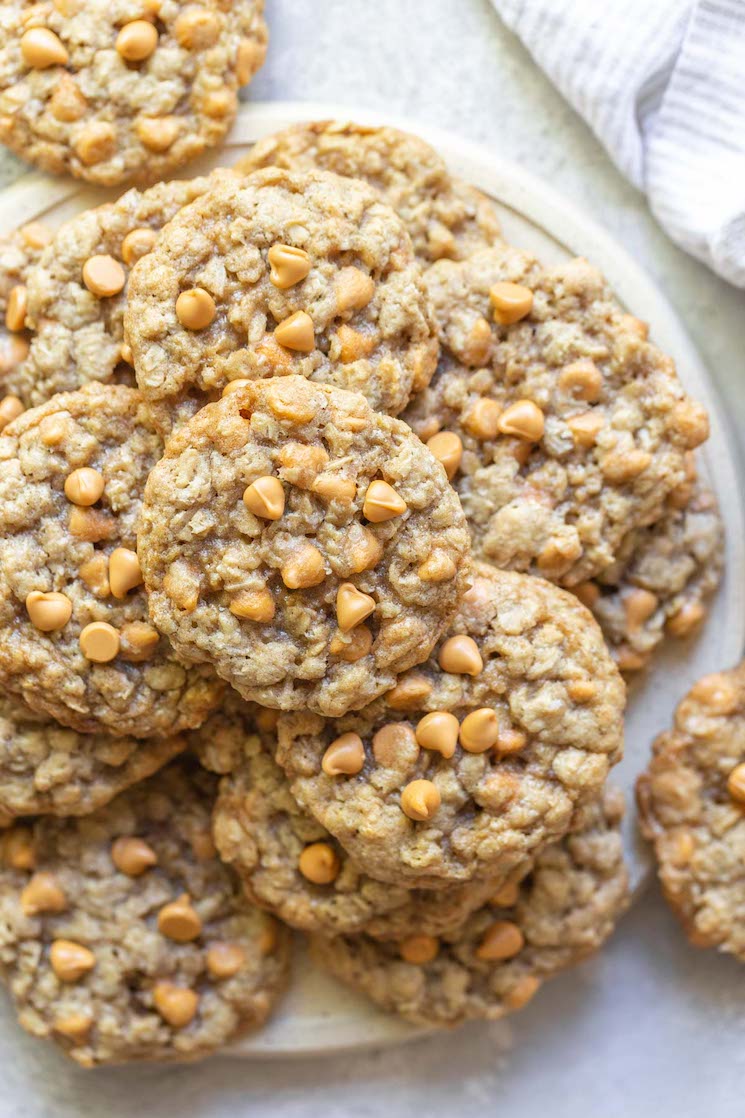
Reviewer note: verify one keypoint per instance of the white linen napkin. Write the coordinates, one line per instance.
(662, 85)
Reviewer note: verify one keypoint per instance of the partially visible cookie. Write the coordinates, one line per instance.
(445, 216)
(692, 807)
(564, 910)
(75, 637)
(308, 548)
(661, 589)
(288, 863)
(480, 756)
(281, 272)
(19, 252)
(78, 291)
(123, 937)
(118, 91)
(47, 768)
(563, 427)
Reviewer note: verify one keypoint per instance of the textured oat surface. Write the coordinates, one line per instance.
(261, 831)
(19, 252)
(49, 544)
(372, 327)
(548, 676)
(115, 915)
(565, 910)
(679, 562)
(696, 825)
(78, 335)
(553, 506)
(445, 216)
(110, 121)
(205, 556)
(45, 767)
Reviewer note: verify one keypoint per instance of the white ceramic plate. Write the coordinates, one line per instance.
(318, 1014)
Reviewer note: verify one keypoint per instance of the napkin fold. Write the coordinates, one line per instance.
(662, 85)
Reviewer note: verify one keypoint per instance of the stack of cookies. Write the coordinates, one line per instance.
(310, 486)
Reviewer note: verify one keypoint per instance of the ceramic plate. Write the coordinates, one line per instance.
(318, 1014)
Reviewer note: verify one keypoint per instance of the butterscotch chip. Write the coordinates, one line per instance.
(345, 756)
(319, 863)
(137, 40)
(225, 959)
(15, 314)
(321, 567)
(691, 803)
(447, 448)
(444, 216)
(133, 856)
(78, 317)
(288, 265)
(562, 453)
(97, 975)
(43, 894)
(494, 962)
(265, 497)
(462, 757)
(419, 949)
(84, 486)
(76, 652)
(669, 569)
(460, 655)
(103, 276)
(70, 961)
(179, 920)
(41, 48)
(267, 322)
(100, 71)
(48, 611)
(195, 309)
(262, 832)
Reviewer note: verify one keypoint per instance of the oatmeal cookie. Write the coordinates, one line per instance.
(48, 768)
(307, 547)
(116, 91)
(75, 638)
(19, 252)
(78, 291)
(691, 801)
(288, 862)
(481, 756)
(563, 426)
(564, 910)
(661, 589)
(123, 937)
(280, 273)
(445, 216)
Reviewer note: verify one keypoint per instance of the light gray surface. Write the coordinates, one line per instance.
(651, 1026)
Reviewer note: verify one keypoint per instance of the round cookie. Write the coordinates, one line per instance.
(19, 252)
(662, 588)
(445, 216)
(78, 291)
(565, 909)
(563, 425)
(288, 862)
(307, 547)
(278, 273)
(75, 637)
(117, 91)
(691, 801)
(123, 937)
(481, 756)
(48, 768)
